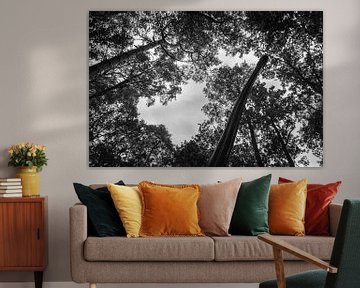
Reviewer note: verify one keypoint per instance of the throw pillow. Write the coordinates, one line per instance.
(250, 215)
(319, 197)
(287, 208)
(102, 215)
(169, 210)
(216, 206)
(127, 201)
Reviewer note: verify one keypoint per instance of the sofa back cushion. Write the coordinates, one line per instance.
(250, 248)
(149, 249)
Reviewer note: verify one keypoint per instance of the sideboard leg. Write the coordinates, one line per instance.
(38, 279)
(92, 285)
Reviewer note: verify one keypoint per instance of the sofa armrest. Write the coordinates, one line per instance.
(78, 235)
(334, 216)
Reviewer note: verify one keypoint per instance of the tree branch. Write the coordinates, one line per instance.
(254, 143)
(111, 63)
(283, 144)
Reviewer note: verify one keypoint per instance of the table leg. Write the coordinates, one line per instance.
(38, 279)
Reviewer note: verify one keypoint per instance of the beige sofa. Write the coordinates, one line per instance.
(234, 259)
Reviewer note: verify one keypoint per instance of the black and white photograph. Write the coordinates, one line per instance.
(205, 88)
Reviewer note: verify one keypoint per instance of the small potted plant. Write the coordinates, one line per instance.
(30, 158)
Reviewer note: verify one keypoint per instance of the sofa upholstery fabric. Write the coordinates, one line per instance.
(85, 271)
(249, 248)
(149, 249)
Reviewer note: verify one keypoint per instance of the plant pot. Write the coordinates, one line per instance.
(30, 181)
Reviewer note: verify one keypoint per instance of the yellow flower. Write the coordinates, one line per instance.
(25, 153)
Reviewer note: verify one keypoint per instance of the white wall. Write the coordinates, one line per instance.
(43, 90)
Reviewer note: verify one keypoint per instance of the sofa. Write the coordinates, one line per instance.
(233, 259)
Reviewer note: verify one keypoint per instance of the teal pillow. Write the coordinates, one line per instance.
(250, 216)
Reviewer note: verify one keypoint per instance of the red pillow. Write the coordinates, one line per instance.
(319, 197)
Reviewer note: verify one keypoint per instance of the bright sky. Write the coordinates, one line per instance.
(182, 116)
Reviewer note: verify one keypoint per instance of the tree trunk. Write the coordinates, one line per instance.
(221, 154)
(254, 144)
(110, 63)
(121, 84)
(151, 151)
(283, 145)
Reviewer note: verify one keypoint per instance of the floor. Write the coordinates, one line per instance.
(74, 285)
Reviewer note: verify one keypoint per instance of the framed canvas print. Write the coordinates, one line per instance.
(205, 88)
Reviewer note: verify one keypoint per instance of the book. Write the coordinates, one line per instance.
(10, 191)
(10, 180)
(10, 183)
(5, 195)
(10, 187)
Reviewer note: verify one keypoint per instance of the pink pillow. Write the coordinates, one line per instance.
(216, 205)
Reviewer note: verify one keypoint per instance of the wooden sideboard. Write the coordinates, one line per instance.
(23, 235)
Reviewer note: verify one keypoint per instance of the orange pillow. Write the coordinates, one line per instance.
(319, 197)
(169, 210)
(287, 204)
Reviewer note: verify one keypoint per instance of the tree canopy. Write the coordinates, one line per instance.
(152, 55)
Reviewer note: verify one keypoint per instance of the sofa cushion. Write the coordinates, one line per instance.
(318, 199)
(216, 206)
(102, 215)
(287, 204)
(169, 210)
(250, 215)
(244, 248)
(127, 201)
(149, 249)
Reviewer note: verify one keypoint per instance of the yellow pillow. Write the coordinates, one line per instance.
(287, 204)
(127, 201)
(169, 210)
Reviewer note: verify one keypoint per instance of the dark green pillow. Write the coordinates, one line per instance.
(103, 217)
(250, 216)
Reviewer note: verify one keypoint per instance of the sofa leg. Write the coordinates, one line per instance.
(92, 285)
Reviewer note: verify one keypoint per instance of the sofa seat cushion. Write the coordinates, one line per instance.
(149, 249)
(244, 248)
